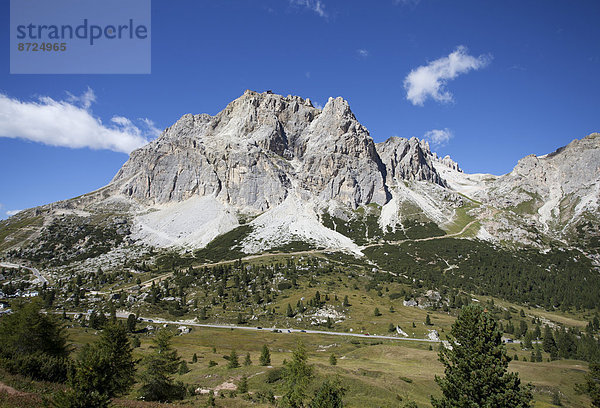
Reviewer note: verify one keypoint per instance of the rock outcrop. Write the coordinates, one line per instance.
(408, 159)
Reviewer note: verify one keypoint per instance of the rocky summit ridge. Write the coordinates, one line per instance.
(291, 172)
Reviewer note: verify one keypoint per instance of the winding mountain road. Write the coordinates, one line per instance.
(36, 272)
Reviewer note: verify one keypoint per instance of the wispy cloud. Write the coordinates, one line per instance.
(84, 100)
(430, 80)
(70, 123)
(438, 137)
(317, 6)
(517, 67)
(10, 213)
(362, 52)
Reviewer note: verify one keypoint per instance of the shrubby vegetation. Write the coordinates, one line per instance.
(101, 371)
(34, 344)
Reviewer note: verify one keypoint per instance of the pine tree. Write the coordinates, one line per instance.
(131, 323)
(548, 343)
(346, 303)
(102, 370)
(33, 343)
(115, 346)
(332, 359)
(297, 377)
(476, 366)
(376, 312)
(265, 356)
(591, 386)
(202, 314)
(100, 321)
(428, 321)
(538, 355)
(183, 368)
(160, 365)
(243, 387)
(537, 332)
(195, 358)
(247, 360)
(289, 312)
(527, 342)
(233, 360)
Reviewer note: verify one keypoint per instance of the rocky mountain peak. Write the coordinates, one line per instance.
(262, 146)
(408, 159)
(447, 161)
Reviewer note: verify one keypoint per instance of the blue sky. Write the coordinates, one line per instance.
(525, 79)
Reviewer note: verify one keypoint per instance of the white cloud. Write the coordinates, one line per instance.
(362, 52)
(10, 213)
(70, 123)
(85, 100)
(430, 80)
(316, 6)
(153, 131)
(438, 137)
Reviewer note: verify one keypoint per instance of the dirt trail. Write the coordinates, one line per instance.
(462, 231)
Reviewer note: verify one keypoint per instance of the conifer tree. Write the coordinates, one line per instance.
(160, 365)
(297, 377)
(476, 366)
(592, 384)
(233, 360)
(243, 387)
(265, 356)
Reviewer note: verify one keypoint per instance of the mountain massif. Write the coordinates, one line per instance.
(275, 172)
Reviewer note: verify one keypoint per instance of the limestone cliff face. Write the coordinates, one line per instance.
(241, 155)
(255, 151)
(408, 159)
(339, 160)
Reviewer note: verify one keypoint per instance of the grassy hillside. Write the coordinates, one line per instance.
(375, 373)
